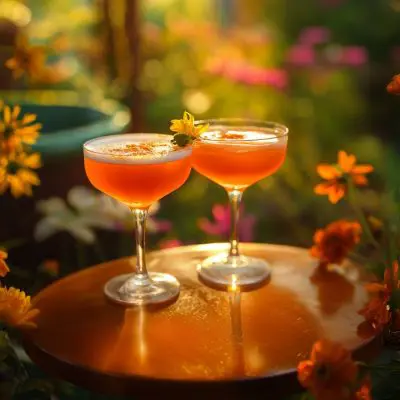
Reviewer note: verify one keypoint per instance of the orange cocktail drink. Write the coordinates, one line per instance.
(237, 159)
(138, 170)
(138, 174)
(236, 154)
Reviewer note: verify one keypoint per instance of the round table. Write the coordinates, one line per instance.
(209, 343)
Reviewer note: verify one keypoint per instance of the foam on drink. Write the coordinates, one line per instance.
(135, 149)
(239, 136)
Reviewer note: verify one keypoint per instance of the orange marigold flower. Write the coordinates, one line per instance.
(16, 309)
(376, 313)
(330, 373)
(4, 270)
(394, 86)
(336, 176)
(27, 59)
(52, 267)
(332, 244)
(364, 392)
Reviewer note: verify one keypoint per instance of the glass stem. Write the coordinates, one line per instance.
(140, 216)
(235, 196)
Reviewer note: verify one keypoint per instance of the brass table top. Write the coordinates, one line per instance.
(207, 336)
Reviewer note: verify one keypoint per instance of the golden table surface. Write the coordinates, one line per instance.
(208, 342)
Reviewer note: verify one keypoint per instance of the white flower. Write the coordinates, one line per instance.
(84, 211)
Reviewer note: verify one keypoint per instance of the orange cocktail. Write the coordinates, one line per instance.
(138, 174)
(237, 159)
(138, 170)
(236, 154)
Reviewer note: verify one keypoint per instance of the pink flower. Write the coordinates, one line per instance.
(301, 55)
(170, 243)
(314, 35)
(242, 72)
(354, 56)
(222, 223)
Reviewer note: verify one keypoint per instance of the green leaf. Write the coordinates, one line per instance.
(181, 139)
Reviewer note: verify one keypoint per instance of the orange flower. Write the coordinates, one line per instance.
(394, 86)
(4, 270)
(52, 267)
(332, 244)
(336, 176)
(376, 312)
(364, 392)
(16, 309)
(330, 373)
(29, 60)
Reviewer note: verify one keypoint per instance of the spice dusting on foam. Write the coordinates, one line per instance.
(129, 149)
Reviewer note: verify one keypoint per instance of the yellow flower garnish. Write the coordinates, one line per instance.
(15, 132)
(185, 129)
(4, 270)
(29, 60)
(16, 308)
(16, 174)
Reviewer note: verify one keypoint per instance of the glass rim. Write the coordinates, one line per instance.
(282, 130)
(124, 135)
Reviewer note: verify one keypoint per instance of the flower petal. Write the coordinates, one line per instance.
(362, 169)
(328, 172)
(346, 161)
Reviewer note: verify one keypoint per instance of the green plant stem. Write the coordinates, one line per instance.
(359, 213)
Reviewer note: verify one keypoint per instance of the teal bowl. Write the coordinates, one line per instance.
(68, 121)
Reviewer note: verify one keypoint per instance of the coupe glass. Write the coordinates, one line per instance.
(138, 170)
(235, 153)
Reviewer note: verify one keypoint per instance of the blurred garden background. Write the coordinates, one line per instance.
(318, 66)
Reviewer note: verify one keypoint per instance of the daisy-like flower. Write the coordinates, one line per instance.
(86, 210)
(16, 308)
(336, 176)
(394, 86)
(333, 244)
(4, 270)
(185, 129)
(27, 60)
(221, 226)
(16, 173)
(330, 373)
(16, 131)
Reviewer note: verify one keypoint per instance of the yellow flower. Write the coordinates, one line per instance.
(29, 60)
(4, 270)
(16, 174)
(16, 309)
(187, 126)
(15, 132)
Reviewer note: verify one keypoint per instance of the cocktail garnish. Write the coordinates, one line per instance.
(185, 130)
(228, 135)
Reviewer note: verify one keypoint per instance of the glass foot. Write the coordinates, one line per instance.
(222, 272)
(135, 290)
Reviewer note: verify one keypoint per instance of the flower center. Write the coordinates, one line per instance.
(8, 131)
(322, 372)
(12, 168)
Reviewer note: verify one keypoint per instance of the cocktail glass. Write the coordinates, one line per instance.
(236, 153)
(138, 170)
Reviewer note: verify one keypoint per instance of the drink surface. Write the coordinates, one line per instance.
(236, 158)
(136, 169)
